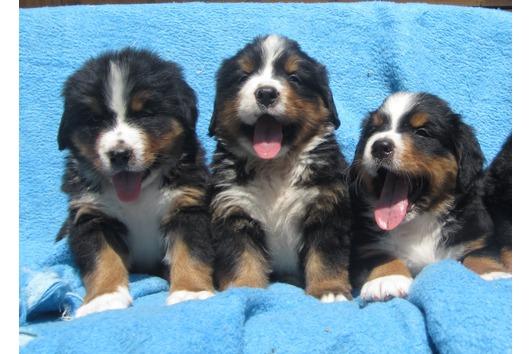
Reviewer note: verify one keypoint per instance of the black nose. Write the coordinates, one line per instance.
(119, 157)
(382, 148)
(266, 95)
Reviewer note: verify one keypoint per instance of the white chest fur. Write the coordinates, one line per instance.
(419, 242)
(279, 206)
(142, 219)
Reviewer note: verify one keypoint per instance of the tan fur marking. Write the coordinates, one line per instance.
(227, 121)
(187, 273)
(474, 245)
(321, 280)
(163, 143)
(392, 266)
(292, 64)
(110, 273)
(507, 258)
(310, 116)
(246, 64)
(87, 150)
(190, 197)
(441, 171)
(253, 271)
(138, 100)
(482, 265)
(377, 119)
(417, 163)
(418, 119)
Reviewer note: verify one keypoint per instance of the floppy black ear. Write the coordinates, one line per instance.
(212, 126)
(332, 108)
(328, 99)
(469, 156)
(188, 108)
(190, 115)
(62, 137)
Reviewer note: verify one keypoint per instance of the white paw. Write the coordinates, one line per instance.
(384, 288)
(118, 300)
(496, 275)
(185, 295)
(331, 297)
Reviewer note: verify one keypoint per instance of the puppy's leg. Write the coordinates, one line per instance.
(326, 276)
(190, 270)
(241, 257)
(94, 241)
(327, 246)
(190, 253)
(507, 258)
(486, 262)
(390, 277)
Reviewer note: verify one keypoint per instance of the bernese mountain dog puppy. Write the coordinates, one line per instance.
(498, 199)
(415, 186)
(136, 179)
(280, 205)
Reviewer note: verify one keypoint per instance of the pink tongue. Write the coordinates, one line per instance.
(267, 139)
(391, 208)
(127, 185)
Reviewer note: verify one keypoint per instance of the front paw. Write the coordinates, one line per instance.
(118, 300)
(328, 295)
(185, 295)
(333, 297)
(385, 288)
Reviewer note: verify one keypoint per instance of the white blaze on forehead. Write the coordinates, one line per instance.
(116, 89)
(395, 107)
(121, 134)
(272, 47)
(248, 110)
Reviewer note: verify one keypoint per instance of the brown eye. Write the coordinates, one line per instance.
(423, 132)
(294, 78)
(243, 78)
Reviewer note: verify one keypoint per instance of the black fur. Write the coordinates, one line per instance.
(172, 95)
(87, 115)
(464, 220)
(498, 193)
(311, 79)
(324, 225)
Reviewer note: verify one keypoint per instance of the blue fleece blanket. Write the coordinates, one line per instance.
(370, 49)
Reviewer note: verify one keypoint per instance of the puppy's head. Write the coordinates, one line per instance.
(414, 156)
(126, 115)
(271, 97)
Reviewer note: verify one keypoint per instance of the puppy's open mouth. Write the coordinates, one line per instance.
(396, 195)
(128, 185)
(267, 137)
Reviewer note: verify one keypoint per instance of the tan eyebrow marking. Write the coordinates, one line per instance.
(246, 64)
(139, 99)
(418, 119)
(377, 119)
(292, 64)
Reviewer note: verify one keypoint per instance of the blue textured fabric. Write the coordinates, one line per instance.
(370, 49)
